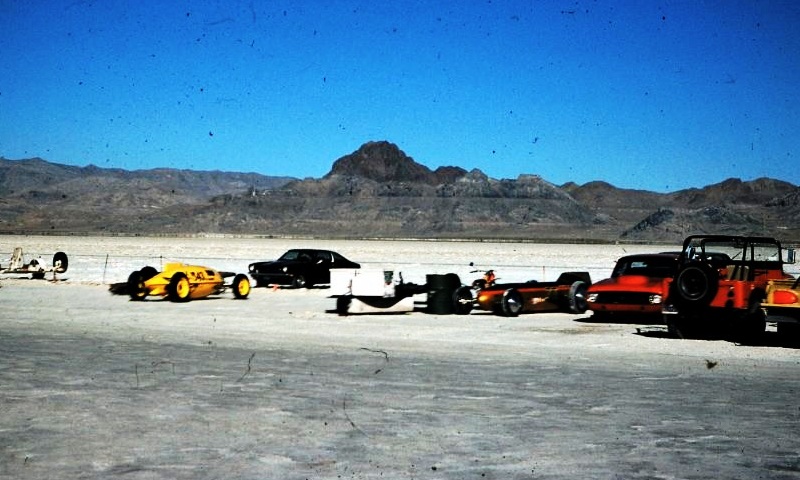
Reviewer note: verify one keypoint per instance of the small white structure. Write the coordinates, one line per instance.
(36, 267)
(368, 290)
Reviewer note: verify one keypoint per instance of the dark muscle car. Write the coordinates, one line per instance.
(299, 268)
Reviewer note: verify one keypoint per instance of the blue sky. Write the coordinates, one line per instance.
(655, 95)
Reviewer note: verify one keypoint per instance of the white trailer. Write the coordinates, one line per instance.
(371, 290)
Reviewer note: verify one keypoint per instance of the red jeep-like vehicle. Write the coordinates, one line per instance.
(719, 285)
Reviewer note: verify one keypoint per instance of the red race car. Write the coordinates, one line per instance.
(636, 286)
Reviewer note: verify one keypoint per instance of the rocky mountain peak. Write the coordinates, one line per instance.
(382, 162)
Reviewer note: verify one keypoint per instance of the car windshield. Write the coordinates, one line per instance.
(657, 267)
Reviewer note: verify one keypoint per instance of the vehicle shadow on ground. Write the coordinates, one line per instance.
(655, 328)
(623, 319)
(769, 339)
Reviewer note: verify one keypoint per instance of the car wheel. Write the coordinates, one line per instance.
(60, 262)
(136, 287)
(463, 301)
(179, 288)
(511, 303)
(148, 272)
(241, 286)
(697, 284)
(577, 297)
(300, 282)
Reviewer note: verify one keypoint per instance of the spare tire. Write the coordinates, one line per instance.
(696, 284)
(60, 262)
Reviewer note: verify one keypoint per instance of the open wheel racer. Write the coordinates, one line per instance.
(179, 282)
(567, 294)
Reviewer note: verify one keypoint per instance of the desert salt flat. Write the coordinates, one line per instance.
(104, 259)
(276, 386)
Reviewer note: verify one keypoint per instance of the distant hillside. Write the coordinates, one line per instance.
(39, 196)
(379, 191)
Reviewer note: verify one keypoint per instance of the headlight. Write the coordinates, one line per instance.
(285, 269)
(251, 267)
(592, 297)
(654, 299)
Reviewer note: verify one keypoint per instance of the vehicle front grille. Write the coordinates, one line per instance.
(625, 298)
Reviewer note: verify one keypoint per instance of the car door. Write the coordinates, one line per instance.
(322, 266)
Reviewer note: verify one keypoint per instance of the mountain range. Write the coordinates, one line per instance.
(380, 192)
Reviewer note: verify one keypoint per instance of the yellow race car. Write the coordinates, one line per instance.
(179, 282)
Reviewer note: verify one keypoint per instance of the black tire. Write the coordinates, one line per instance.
(136, 287)
(241, 286)
(299, 281)
(511, 303)
(148, 272)
(178, 290)
(577, 297)
(60, 262)
(696, 284)
(463, 301)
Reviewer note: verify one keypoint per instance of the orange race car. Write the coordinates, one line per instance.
(567, 294)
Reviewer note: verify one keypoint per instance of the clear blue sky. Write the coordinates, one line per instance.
(656, 95)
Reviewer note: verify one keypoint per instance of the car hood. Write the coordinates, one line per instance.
(627, 283)
(274, 265)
